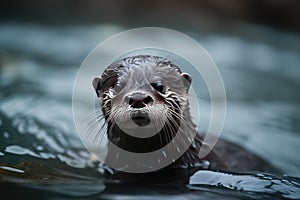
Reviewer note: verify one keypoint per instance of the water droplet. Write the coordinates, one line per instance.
(164, 153)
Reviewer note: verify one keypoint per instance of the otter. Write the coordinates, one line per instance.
(151, 93)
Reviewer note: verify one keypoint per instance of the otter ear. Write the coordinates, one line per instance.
(97, 85)
(187, 80)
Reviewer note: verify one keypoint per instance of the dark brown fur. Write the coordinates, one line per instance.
(225, 156)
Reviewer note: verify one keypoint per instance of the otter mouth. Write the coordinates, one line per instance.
(140, 119)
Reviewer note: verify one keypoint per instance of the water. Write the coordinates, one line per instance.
(41, 155)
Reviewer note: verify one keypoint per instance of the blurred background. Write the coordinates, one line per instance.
(177, 14)
(255, 44)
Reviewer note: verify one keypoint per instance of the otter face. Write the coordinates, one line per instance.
(143, 95)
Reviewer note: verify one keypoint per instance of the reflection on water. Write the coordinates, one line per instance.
(261, 183)
(39, 146)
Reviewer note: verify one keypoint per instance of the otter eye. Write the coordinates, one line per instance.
(158, 86)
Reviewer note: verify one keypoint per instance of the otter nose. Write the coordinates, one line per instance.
(138, 100)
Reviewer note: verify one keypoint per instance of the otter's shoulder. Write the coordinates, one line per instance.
(236, 158)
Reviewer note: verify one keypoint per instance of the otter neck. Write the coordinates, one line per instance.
(140, 145)
(188, 159)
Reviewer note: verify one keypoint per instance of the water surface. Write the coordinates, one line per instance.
(42, 156)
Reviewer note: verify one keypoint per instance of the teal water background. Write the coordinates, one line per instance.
(38, 65)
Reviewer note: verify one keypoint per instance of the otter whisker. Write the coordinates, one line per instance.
(92, 115)
(96, 116)
(91, 127)
(180, 129)
(159, 123)
(100, 132)
(93, 124)
(94, 121)
(103, 134)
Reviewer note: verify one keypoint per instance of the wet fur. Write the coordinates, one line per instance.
(225, 155)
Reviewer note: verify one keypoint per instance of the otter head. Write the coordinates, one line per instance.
(144, 101)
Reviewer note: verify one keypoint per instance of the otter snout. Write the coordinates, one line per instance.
(138, 100)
